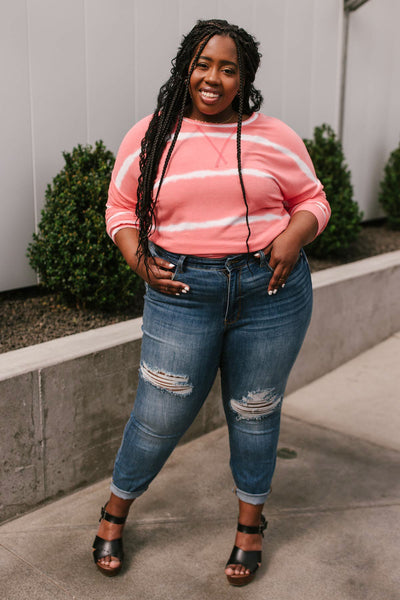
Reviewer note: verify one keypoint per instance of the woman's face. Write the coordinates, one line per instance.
(215, 81)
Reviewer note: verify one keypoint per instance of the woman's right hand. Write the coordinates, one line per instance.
(158, 273)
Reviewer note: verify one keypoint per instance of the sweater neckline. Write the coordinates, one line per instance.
(251, 119)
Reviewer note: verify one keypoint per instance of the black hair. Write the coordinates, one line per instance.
(172, 102)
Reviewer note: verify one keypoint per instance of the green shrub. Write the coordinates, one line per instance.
(71, 251)
(389, 195)
(344, 225)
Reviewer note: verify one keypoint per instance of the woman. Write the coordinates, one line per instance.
(211, 203)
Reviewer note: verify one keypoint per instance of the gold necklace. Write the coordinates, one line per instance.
(217, 122)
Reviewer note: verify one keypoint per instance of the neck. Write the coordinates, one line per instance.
(232, 118)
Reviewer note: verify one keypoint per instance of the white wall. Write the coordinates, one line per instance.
(372, 107)
(74, 71)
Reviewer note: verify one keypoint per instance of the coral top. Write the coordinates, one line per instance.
(200, 209)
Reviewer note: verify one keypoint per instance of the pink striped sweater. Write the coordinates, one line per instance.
(200, 209)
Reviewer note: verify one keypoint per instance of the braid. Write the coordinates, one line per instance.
(181, 113)
(173, 101)
(239, 140)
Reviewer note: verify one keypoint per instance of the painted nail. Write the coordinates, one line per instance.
(257, 255)
(186, 288)
(283, 285)
(184, 291)
(275, 291)
(171, 265)
(177, 294)
(270, 292)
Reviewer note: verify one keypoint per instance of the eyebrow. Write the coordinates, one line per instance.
(224, 62)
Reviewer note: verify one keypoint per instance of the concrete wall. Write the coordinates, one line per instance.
(64, 403)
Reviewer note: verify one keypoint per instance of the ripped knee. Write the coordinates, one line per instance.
(169, 382)
(257, 405)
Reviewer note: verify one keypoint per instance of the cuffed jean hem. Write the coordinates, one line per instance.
(125, 495)
(252, 498)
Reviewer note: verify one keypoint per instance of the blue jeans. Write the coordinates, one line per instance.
(227, 320)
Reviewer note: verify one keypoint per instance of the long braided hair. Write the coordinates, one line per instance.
(172, 102)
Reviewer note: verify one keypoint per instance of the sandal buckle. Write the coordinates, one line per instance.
(263, 526)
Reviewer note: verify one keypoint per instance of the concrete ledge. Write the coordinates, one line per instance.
(64, 403)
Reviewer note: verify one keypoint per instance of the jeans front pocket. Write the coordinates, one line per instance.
(264, 261)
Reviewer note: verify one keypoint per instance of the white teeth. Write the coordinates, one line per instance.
(209, 94)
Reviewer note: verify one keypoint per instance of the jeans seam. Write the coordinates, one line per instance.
(239, 303)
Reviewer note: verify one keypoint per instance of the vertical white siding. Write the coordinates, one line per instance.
(110, 77)
(372, 115)
(58, 85)
(79, 70)
(16, 160)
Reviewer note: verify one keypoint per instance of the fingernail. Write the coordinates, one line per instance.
(186, 288)
(177, 294)
(270, 292)
(283, 285)
(275, 291)
(257, 254)
(171, 265)
(184, 291)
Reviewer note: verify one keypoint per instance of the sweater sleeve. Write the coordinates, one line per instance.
(121, 203)
(299, 184)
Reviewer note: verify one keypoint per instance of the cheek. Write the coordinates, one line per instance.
(192, 83)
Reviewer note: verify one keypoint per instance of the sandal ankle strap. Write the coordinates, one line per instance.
(111, 518)
(254, 529)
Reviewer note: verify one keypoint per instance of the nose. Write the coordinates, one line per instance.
(212, 76)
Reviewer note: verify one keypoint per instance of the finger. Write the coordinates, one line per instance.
(161, 268)
(265, 251)
(164, 264)
(277, 280)
(166, 286)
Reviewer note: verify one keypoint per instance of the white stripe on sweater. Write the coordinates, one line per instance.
(125, 168)
(256, 139)
(226, 222)
(212, 173)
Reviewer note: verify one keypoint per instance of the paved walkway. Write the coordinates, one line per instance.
(333, 515)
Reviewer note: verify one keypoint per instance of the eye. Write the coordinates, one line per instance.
(202, 65)
(229, 71)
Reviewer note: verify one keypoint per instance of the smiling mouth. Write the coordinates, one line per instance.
(209, 97)
(209, 94)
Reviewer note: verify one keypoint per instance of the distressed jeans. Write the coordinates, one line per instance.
(228, 321)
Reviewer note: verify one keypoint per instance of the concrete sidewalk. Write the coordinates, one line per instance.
(333, 516)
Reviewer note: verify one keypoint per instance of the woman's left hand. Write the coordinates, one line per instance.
(286, 247)
(284, 254)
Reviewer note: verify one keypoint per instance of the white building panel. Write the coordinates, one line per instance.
(156, 37)
(16, 164)
(372, 115)
(58, 85)
(110, 77)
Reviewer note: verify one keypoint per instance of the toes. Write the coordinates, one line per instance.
(237, 570)
(114, 563)
(109, 562)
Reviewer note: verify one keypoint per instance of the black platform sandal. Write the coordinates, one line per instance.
(113, 548)
(250, 559)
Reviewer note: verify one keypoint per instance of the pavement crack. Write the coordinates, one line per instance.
(304, 421)
(39, 571)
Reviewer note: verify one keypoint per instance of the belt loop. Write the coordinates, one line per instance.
(179, 266)
(152, 249)
(263, 259)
